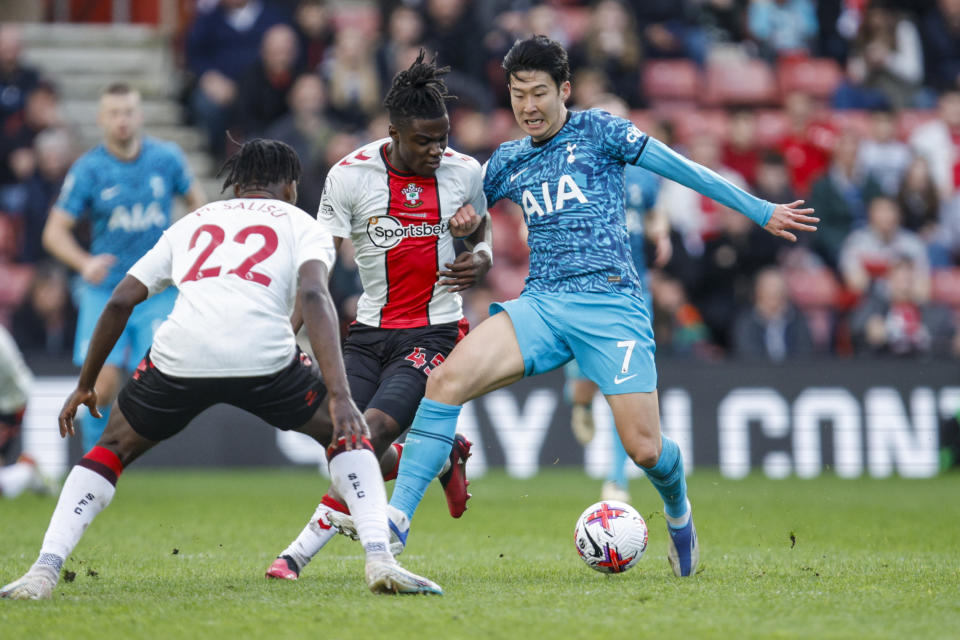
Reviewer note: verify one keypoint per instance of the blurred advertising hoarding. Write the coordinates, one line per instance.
(854, 418)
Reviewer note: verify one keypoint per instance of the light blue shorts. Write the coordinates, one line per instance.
(609, 334)
(136, 337)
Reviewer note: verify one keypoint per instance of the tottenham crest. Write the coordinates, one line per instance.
(412, 194)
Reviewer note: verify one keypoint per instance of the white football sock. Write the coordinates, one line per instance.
(679, 523)
(357, 478)
(314, 536)
(85, 494)
(16, 478)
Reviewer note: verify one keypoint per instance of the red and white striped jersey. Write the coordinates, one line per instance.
(235, 263)
(399, 225)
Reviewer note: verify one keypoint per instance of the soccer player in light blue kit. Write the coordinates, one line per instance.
(126, 187)
(644, 221)
(583, 297)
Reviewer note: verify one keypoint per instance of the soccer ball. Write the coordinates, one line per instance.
(610, 536)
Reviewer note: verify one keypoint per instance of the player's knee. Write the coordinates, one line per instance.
(444, 385)
(646, 452)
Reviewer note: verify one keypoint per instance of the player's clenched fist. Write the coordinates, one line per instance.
(464, 222)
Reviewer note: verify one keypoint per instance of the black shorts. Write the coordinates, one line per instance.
(387, 368)
(159, 406)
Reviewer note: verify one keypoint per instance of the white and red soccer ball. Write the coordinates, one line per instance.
(610, 536)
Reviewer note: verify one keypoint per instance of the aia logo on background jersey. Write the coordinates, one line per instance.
(412, 194)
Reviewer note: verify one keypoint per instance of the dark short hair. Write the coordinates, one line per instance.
(418, 92)
(118, 89)
(261, 163)
(538, 53)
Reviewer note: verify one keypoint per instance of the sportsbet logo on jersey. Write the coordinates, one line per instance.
(566, 189)
(387, 232)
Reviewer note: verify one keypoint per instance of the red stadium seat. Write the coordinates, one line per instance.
(813, 288)
(741, 83)
(645, 120)
(815, 292)
(506, 281)
(772, 126)
(945, 287)
(818, 77)
(688, 123)
(574, 21)
(674, 80)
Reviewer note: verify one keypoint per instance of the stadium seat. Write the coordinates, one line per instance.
(945, 287)
(506, 281)
(645, 120)
(815, 292)
(818, 77)
(910, 119)
(507, 237)
(671, 80)
(740, 83)
(772, 126)
(574, 21)
(812, 287)
(688, 123)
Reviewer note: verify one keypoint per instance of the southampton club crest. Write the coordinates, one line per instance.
(412, 194)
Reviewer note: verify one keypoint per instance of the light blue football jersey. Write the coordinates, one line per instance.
(129, 203)
(571, 190)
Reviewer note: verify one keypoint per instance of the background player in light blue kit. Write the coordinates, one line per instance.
(583, 297)
(644, 222)
(126, 187)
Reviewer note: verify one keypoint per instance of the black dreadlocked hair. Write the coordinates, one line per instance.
(260, 163)
(418, 92)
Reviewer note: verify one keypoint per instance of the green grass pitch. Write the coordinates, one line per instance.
(181, 554)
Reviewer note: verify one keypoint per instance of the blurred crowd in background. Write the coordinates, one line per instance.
(852, 105)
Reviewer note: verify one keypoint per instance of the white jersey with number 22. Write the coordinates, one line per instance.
(235, 263)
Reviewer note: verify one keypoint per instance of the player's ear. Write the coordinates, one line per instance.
(564, 90)
(290, 192)
(393, 132)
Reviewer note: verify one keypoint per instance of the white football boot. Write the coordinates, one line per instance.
(387, 576)
(36, 584)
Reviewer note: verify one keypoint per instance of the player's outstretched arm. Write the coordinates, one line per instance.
(320, 318)
(663, 160)
(127, 295)
(787, 217)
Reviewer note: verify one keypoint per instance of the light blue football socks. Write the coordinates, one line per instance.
(92, 428)
(426, 449)
(667, 476)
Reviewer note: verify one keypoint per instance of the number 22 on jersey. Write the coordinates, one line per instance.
(244, 270)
